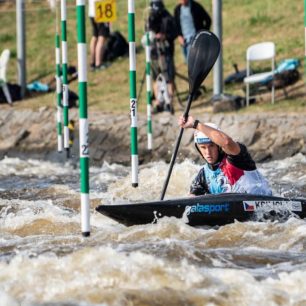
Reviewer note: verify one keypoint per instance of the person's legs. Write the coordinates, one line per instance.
(99, 50)
(187, 49)
(184, 51)
(103, 34)
(93, 43)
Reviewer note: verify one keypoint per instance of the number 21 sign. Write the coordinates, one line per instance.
(105, 11)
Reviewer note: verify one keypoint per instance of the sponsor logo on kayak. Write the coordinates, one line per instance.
(208, 208)
(272, 205)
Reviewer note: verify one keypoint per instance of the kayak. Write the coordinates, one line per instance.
(210, 210)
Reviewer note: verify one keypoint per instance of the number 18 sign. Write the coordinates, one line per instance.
(105, 11)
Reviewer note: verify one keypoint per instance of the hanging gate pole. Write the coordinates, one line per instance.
(58, 94)
(58, 84)
(65, 73)
(149, 92)
(133, 98)
(83, 121)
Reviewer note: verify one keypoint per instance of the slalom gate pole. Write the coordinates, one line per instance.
(65, 73)
(133, 98)
(83, 121)
(58, 85)
(149, 91)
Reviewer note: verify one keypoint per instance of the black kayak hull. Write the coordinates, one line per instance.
(210, 210)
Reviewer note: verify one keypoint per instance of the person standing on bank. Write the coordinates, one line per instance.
(229, 166)
(100, 34)
(190, 17)
(162, 25)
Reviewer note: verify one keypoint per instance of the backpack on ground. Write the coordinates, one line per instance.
(285, 74)
(116, 46)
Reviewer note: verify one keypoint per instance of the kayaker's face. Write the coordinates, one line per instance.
(210, 152)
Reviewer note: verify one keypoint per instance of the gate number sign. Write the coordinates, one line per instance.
(105, 11)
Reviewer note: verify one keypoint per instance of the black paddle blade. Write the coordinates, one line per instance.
(204, 51)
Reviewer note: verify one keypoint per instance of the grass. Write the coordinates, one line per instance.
(244, 22)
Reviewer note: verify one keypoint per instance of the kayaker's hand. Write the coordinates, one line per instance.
(185, 124)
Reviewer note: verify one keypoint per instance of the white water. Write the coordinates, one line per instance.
(45, 261)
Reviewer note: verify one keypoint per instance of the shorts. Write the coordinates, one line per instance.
(99, 29)
(169, 69)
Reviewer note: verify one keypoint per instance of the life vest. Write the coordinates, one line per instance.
(228, 178)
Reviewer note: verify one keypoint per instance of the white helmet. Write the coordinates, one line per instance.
(201, 138)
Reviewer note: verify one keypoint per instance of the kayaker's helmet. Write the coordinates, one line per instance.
(201, 138)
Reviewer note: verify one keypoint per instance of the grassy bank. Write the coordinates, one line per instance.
(244, 22)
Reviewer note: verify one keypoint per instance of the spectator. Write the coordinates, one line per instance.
(100, 34)
(162, 26)
(190, 17)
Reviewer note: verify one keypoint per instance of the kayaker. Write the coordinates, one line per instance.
(229, 166)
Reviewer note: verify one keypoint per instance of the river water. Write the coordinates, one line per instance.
(44, 260)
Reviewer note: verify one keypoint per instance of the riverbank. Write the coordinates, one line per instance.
(32, 134)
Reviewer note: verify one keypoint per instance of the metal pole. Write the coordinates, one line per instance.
(217, 29)
(149, 91)
(83, 121)
(21, 45)
(133, 98)
(65, 74)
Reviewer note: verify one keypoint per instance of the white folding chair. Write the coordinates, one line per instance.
(4, 58)
(259, 52)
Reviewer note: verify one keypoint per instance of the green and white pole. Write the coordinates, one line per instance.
(83, 121)
(58, 91)
(65, 74)
(133, 99)
(149, 91)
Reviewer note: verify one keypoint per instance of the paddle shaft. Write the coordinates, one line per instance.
(177, 144)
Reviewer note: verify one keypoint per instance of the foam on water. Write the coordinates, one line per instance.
(16, 166)
(27, 217)
(152, 178)
(101, 271)
(44, 259)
